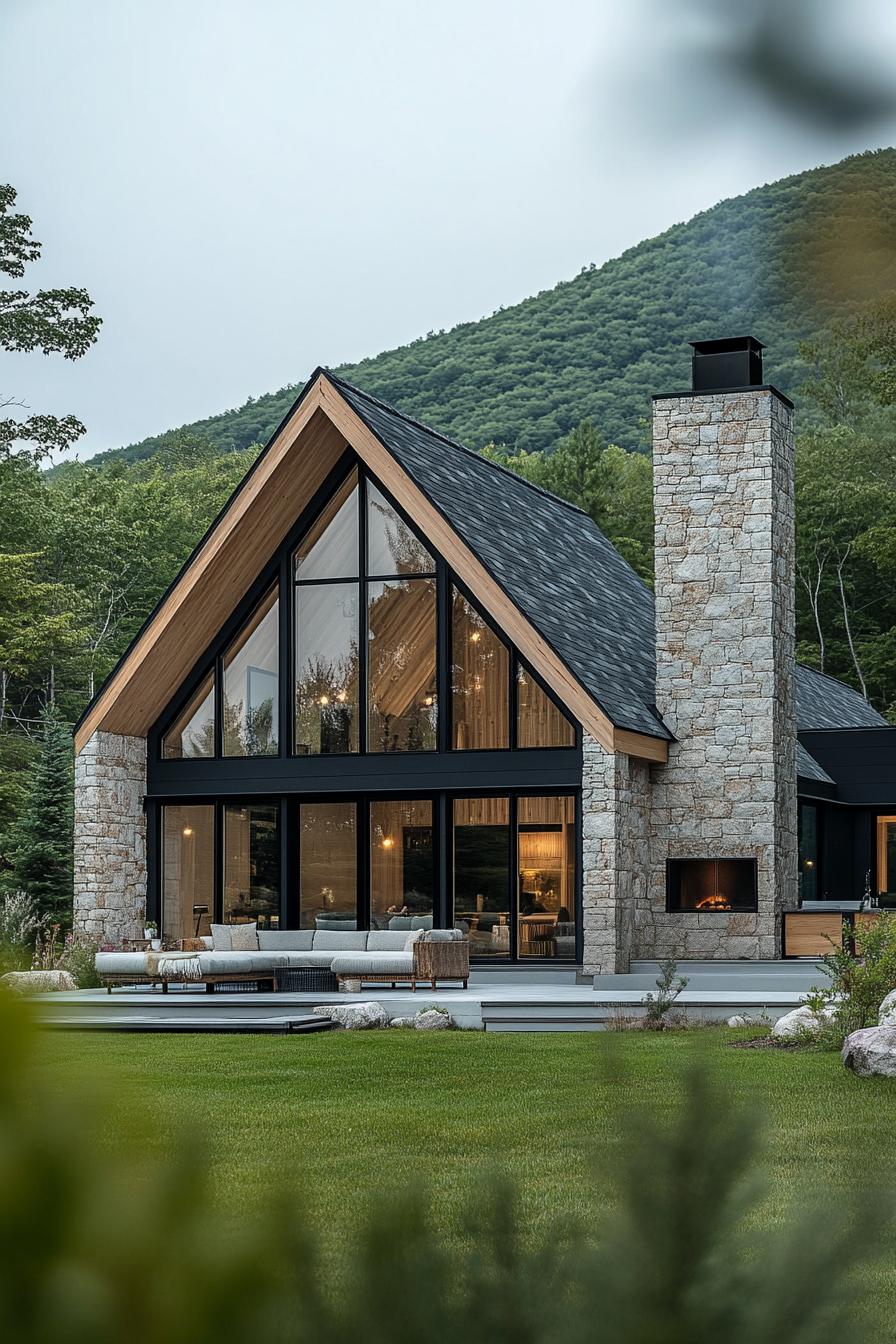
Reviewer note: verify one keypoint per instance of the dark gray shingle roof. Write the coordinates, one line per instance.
(808, 768)
(822, 702)
(548, 556)
(566, 577)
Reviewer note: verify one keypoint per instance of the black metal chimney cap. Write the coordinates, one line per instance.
(722, 365)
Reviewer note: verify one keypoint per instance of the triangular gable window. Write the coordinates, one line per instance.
(366, 624)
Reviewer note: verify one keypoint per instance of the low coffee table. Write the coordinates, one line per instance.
(307, 980)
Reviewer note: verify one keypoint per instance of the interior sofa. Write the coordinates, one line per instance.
(386, 955)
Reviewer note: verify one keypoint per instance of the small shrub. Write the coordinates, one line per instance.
(857, 985)
(73, 953)
(20, 925)
(669, 986)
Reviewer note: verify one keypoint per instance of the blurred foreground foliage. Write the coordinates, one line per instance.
(100, 1243)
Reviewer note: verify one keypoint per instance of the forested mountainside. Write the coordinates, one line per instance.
(778, 262)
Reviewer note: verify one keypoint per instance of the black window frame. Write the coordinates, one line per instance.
(288, 821)
(281, 571)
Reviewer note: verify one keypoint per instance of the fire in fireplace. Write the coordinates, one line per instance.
(711, 886)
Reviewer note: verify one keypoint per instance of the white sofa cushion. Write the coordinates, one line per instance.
(345, 940)
(121, 963)
(241, 963)
(373, 963)
(387, 940)
(285, 940)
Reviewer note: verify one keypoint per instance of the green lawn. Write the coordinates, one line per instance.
(344, 1115)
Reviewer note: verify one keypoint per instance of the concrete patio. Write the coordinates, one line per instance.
(495, 1000)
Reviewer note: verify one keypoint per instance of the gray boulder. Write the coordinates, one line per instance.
(801, 1021)
(740, 1020)
(871, 1052)
(887, 1015)
(403, 1022)
(432, 1019)
(354, 1016)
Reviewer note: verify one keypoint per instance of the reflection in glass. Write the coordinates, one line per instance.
(329, 550)
(807, 830)
(402, 710)
(392, 547)
(188, 870)
(250, 684)
(482, 874)
(402, 863)
(328, 866)
(193, 732)
(480, 690)
(539, 722)
(326, 689)
(251, 865)
(546, 876)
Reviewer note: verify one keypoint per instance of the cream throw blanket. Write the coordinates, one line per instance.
(173, 965)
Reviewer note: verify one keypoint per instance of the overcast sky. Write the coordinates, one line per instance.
(249, 188)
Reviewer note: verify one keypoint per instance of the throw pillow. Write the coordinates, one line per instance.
(244, 937)
(413, 937)
(221, 937)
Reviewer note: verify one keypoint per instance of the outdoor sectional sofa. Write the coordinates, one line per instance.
(384, 955)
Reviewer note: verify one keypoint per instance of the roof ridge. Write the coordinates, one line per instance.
(453, 443)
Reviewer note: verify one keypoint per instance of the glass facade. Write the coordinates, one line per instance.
(251, 676)
(392, 547)
(187, 870)
(546, 876)
(807, 830)
(480, 681)
(326, 669)
(384, 655)
(401, 665)
(193, 732)
(328, 865)
(539, 722)
(402, 863)
(481, 870)
(251, 865)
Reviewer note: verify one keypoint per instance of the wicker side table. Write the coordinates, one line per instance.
(442, 961)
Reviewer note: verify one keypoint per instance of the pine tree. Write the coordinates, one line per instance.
(42, 839)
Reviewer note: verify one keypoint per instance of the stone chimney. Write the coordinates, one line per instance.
(723, 862)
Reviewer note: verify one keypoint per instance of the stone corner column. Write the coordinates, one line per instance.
(615, 839)
(110, 838)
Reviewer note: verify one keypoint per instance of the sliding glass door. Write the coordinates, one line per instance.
(514, 875)
(501, 867)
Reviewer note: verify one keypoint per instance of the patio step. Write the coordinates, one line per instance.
(728, 976)
(231, 1026)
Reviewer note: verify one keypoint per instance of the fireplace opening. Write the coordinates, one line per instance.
(711, 886)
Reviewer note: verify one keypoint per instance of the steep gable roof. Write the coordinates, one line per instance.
(555, 599)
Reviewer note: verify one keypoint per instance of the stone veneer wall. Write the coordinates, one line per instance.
(725, 556)
(110, 837)
(615, 853)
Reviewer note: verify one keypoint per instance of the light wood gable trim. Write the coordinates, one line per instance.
(487, 591)
(247, 534)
